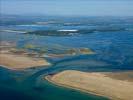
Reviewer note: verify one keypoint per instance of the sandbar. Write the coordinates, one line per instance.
(17, 62)
(98, 83)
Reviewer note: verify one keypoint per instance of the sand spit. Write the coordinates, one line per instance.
(102, 84)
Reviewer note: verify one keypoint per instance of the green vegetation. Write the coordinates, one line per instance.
(86, 51)
(58, 50)
(30, 46)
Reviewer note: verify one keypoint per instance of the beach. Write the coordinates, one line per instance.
(106, 84)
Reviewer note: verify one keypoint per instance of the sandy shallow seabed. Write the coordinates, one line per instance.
(13, 61)
(105, 84)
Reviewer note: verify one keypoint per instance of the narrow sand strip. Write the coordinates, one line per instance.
(96, 83)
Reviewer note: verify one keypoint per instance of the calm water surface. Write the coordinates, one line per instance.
(114, 52)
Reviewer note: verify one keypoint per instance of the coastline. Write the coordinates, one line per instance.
(20, 62)
(48, 78)
(104, 93)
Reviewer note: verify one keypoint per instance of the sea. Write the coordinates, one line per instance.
(111, 38)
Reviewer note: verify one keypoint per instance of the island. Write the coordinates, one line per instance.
(72, 32)
(114, 85)
(16, 59)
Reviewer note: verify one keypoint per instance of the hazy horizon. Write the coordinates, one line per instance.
(68, 8)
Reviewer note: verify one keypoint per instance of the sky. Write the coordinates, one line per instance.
(68, 7)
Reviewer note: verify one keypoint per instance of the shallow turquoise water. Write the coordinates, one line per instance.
(39, 89)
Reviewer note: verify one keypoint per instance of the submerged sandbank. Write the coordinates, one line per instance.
(102, 84)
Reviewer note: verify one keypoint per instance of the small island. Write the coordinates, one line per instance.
(32, 55)
(72, 32)
(17, 59)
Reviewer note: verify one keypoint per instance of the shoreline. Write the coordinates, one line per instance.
(111, 95)
(48, 78)
(20, 62)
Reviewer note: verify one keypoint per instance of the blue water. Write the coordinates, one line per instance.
(113, 52)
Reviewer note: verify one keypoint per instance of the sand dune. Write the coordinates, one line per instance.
(97, 83)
